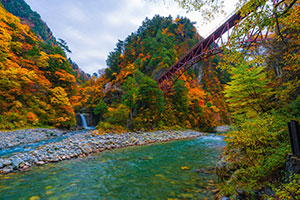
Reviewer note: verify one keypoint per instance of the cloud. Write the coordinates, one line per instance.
(92, 27)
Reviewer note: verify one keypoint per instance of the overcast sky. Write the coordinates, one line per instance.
(92, 27)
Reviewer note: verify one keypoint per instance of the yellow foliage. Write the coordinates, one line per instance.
(60, 59)
(43, 60)
(59, 97)
(25, 83)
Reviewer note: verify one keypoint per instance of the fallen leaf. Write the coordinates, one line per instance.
(48, 187)
(49, 192)
(34, 198)
(185, 168)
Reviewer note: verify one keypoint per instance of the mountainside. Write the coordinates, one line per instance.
(22, 10)
(126, 96)
(36, 81)
(128, 88)
(31, 18)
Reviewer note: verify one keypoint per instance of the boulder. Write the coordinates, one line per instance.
(1, 163)
(6, 162)
(292, 165)
(16, 162)
(225, 168)
(39, 163)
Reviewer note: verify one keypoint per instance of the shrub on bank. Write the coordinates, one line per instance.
(257, 147)
(288, 191)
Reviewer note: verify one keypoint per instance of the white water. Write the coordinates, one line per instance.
(83, 121)
(84, 124)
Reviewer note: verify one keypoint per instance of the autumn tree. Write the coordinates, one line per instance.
(138, 61)
(35, 79)
(248, 88)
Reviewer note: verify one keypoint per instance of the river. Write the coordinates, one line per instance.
(158, 171)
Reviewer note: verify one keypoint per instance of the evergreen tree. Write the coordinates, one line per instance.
(180, 101)
(129, 97)
(150, 102)
(100, 110)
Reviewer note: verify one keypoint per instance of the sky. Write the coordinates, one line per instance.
(92, 28)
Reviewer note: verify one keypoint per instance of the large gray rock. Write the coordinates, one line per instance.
(1, 163)
(292, 165)
(225, 169)
(6, 162)
(16, 162)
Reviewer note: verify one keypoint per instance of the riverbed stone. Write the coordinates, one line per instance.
(40, 163)
(225, 198)
(16, 162)
(6, 170)
(25, 168)
(6, 162)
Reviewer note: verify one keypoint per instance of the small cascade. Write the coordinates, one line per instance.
(84, 124)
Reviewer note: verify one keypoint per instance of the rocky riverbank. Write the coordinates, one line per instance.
(83, 144)
(10, 139)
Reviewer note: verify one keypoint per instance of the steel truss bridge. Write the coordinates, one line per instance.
(212, 45)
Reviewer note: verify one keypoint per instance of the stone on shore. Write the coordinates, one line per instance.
(6, 162)
(40, 163)
(16, 162)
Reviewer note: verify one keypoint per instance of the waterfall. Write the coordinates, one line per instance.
(83, 121)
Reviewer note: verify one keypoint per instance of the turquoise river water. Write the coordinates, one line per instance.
(158, 171)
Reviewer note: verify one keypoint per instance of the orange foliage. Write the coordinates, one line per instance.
(32, 118)
(24, 89)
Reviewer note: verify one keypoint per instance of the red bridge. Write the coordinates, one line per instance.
(210, 46)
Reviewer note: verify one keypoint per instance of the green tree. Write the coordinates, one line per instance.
(248, 89)
(180, 101)
(114, 60)
(150, 102)
(118, 116)
(129, 97)
(100, 109)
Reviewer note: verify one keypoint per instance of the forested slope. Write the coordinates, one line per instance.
(128, 90)
(36, 81)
